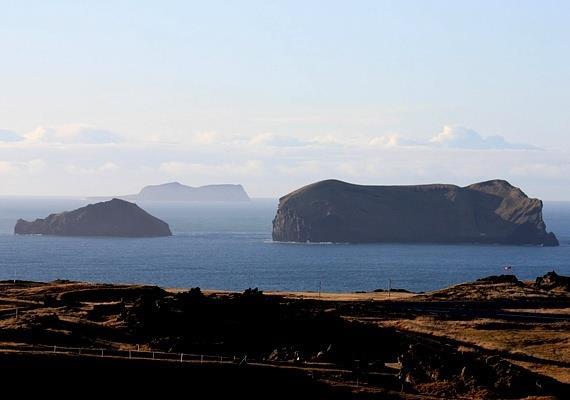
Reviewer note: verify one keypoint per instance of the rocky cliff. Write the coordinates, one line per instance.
(110, 218)
(487, 212)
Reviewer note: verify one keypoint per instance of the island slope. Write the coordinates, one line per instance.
(110, 218)
(486, 212)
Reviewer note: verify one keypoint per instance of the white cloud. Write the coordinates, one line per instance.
(451, 137)
(268, 164)
(73, 133)
(332, 140)
(34, 166)
(206, 138)
(271, 139)
(393, 140)
(459, 137)
(178, 168)
(7, 167)
(103, 168)
(385, 141)
(31, 167)
(9, 136)
(274, 140)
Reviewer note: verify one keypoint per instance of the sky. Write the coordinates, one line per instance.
(104, 97)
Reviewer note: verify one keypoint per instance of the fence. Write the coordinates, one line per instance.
(126, 354)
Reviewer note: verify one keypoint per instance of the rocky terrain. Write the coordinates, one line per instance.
(175, 191)
(487, 212)
(111, 218)
(494, 338)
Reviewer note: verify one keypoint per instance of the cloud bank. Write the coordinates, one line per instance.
(460, 137)
(84, 160)
(73, 133)
(9, 136)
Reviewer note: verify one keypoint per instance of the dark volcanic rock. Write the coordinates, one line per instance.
(396, 290)
(487, 212)
(447, 373)
(110, 218)
(553, 281)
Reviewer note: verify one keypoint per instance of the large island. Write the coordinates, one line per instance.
(110, 218)
(487, 212)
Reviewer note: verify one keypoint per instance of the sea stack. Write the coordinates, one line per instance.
(336, 211)
(110, 218)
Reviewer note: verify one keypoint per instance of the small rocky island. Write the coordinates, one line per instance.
(340, 212)
(110, 218)
(177, 192)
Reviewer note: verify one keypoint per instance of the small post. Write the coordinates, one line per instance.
(201, 358)
(102, 354)
(181, 357)
(153, 355)
(55, 349)
(220, 359)
(130, 357)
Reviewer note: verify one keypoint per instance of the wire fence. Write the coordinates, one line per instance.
(127, 354)
(132, 354)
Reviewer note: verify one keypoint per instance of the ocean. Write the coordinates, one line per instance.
(228, 246)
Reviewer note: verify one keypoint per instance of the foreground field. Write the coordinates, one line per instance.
(494, 338)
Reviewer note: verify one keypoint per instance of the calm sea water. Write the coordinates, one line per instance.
(229, 247)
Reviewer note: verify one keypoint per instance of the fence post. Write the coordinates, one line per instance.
(153, 355)
(181, 357)
(54, 348)
(201, 358)
(102, 355)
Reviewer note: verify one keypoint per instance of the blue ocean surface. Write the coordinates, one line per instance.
(228, 246)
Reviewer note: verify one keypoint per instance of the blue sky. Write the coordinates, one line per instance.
(100, 97)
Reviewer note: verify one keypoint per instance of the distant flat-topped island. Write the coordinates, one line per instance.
(177, 192)
(339, 212)
(110, 218)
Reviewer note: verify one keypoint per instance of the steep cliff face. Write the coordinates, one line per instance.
(335, 211)
(110, 218)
